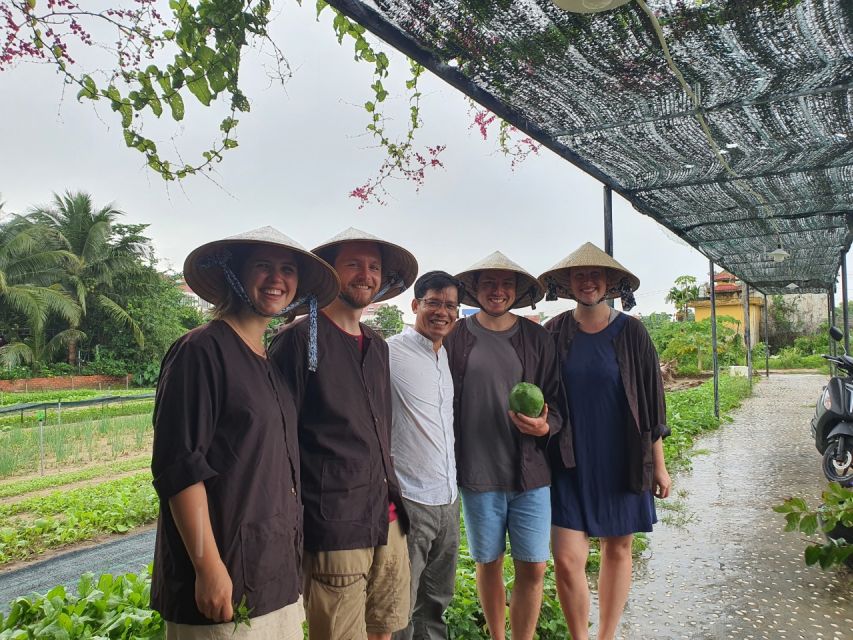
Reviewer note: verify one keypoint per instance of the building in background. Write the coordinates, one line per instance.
(194, 299)
(729, 293)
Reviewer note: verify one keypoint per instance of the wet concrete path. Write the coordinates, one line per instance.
(723, 567)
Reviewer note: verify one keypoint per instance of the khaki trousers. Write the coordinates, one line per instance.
(353, 592)
(282, 624)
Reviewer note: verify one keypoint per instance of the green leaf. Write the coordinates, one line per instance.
(199, 88)
(808, 524)
(216, 77)
(369, 107)
(155, 104)
(112, 93)
(165, 85)
(89, 90)
(176, 104)
(792, 521)
(126, 114)
(178, 78)
(240, 102)
(205, 55)
(799, 504)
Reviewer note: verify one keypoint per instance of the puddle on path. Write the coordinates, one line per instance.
(730, 571)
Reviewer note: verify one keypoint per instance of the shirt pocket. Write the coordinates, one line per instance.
(269, 550)
(345, 490)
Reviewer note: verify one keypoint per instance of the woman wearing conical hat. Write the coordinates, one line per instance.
(226, 459)
(616, 406)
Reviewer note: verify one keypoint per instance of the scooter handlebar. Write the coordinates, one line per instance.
(845, 362)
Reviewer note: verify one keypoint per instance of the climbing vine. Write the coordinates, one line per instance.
(401, 161)
(162, 61)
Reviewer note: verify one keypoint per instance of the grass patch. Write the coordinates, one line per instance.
(70, 415)
(674, 511)
(71, 444)
(63, 395)
(35, 525)
(21, 487)
(464, 616)
(690, 413)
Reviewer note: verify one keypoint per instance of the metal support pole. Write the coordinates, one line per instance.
(830, 312)
(41, 445)
(832, 307)
(766, 341)
(833, 346)
(747, 338)
(608, 226)
(844, 311)
(714, 343)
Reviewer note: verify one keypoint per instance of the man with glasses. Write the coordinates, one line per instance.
(422, 444)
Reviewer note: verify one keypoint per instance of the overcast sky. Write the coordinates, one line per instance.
(302, 149)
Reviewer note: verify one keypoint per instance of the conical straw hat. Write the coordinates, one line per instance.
(528, 290)
(587, 255)
(208, 282)
(589, 6)
(397, 262)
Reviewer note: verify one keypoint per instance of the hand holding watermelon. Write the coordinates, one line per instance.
(528, 410)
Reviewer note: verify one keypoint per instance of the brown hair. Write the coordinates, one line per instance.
(232, 304)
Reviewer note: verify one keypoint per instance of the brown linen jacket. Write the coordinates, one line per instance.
(539, 366)
(640, 371)
(225, 416)
(344, 435)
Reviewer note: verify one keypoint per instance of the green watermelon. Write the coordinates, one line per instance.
(526, 398)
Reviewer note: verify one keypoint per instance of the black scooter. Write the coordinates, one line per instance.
(832, 425)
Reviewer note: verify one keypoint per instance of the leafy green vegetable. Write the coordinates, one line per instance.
(241, 614)
(106, 607)
(34, 525)
(834, 517)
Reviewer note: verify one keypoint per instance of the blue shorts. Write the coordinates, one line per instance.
(526, 515)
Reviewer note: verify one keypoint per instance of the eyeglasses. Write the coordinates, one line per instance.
(434, 305)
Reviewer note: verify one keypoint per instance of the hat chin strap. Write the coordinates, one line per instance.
(393, 280)
(591, 304)
(494, 315)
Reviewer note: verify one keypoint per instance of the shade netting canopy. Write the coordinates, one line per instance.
(752, 148)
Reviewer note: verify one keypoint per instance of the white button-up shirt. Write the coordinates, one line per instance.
(422, 419)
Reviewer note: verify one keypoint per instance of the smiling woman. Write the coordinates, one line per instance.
(223, 418)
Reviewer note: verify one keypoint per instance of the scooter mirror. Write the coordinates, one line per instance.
(835, 334)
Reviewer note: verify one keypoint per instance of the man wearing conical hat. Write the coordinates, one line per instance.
(502, 466)
(356, 563)
(616, 400)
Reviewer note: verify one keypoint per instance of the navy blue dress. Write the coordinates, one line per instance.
(594, 496)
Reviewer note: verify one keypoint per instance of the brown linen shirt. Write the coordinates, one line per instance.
(540, 366)
(344, 434)
(640, 371)
(224, 416)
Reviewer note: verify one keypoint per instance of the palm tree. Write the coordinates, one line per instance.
(29, 267)
(684, 292)
(103, 254)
